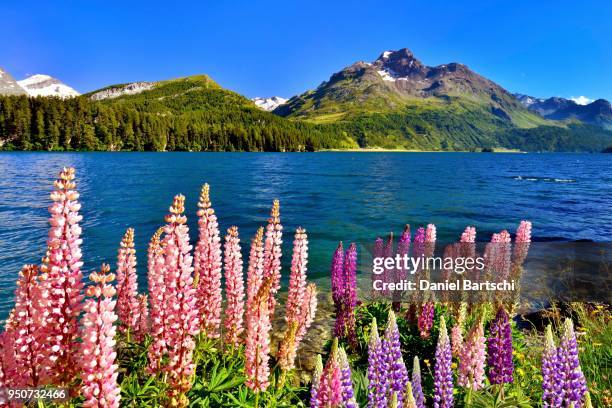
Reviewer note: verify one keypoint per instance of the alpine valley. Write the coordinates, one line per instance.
(394, 102)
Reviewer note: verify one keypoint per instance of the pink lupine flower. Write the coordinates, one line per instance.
(522, 242)
(63, 281)
(430, 240)
(97, 352)
(127, 286)
(472, 358)
(234, 288)
(27, 326)
(7, 362)
(181, 308)
(255, 268)
(469, 235)
(301, 302)
(207, 266)
(456, 340)
(297, 279)
(143, 318)
(257, 347)
(273, 252)
(158, 299)
(331, 392)
(426, 318)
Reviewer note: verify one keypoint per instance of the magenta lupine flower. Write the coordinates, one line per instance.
(27, 326)
(417, 388)
(378, 380)
(316, 381)
(419, 242)
(552, 379)
(273, 252)
(234, 288)
(257, 342)
(337, 277)
(443, 374)
(426, 318)
(159, 295)
(472, 358)
(301, 303)
(99, 371)
(499, 353)
(396, 372)
(207, 266)
(181, 309)
(573, 386)
(63, 280)
(128, 308)
(403, 248)
(143, 317)
(350, 300)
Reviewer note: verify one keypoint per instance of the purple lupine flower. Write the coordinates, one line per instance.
(419, 243)
(443, 374)
(417, 388)
(376, 370)
(551, 378)
(426, 317)
(396, 371)
(348, 395)
(499, 358)
(574, 383)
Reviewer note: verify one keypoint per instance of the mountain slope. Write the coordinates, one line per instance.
(597, 113)
(8, 85)
(45, 85)
(398, 102)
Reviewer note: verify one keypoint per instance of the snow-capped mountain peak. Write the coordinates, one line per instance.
(45, 85)
(269, 104)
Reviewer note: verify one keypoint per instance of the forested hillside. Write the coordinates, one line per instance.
(191, 113)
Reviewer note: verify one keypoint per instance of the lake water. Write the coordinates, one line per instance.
(335, 196)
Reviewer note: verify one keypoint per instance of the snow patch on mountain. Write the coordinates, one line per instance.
(45, 85)
(269, 104)
(581, 100)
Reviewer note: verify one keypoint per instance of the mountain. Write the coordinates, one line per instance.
(192, 113)
(45, 85)
(8, 85)
(269, 104)
(397, 101)
(597, 113)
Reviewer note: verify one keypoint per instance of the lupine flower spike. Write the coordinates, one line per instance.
(499, 354)
(552, 379)
(377, 378)
(143, 317)
(207, 266)
(159, 296)
(574, 384)
(417, 388)
(257, 348)
(27, 321)
(443, 375)
(335, 388)
(409, 401)
(273, 252)
(63, 279)
(128, 308)
(99, 371)
(182, 312)
(396, 372)
(472, 358)
(316, 380)
(234, 288)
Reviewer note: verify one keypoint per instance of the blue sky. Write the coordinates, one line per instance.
(262, 48)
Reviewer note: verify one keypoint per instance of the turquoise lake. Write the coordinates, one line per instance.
(335, 196)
